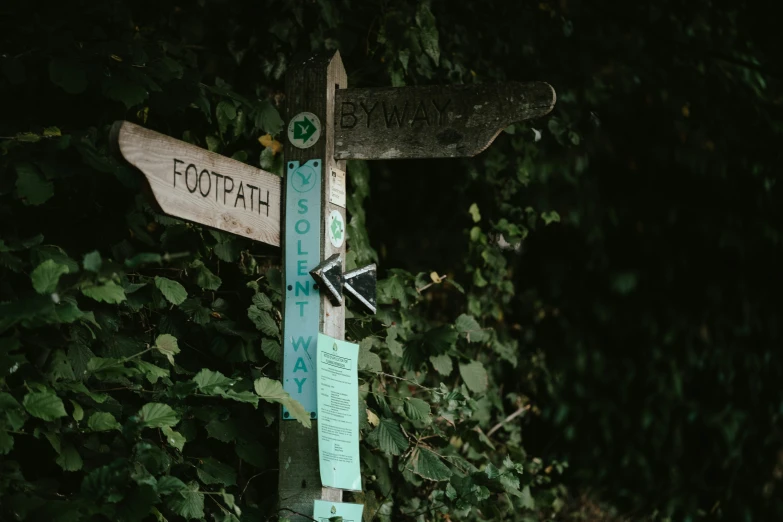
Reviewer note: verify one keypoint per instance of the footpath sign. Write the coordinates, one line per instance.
(198, 185)
(327, 124)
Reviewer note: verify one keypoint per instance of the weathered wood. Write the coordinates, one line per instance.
(310, 86)
(433, 121)
(198, 185)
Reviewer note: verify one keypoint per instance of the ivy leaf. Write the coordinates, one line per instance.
(213, 471)
(167, 485)
(31, 187)
(151, 372)
(272, 391)
(224, 431)
(226, 113)
(367, 359)
(78, 411)
(6, 442)
(188, 503)
(475, 376)
(429, 32)
(390, 437)
(46, 276)
(69, 75)
(92, 262)
(174, 292)
(167, 345)
(262, 302)
(468, 326)
(124, 91)
(45, 405)
(474, 213)
(272, 350)
(268, 119)
(12, 411)
(208, 380)
(263, 321)
(416, 409)
(69, 458)
(102, 421)
(204, 277)
(527, 499)
(428, 465)
(157, 415)
(550, 217)
(174, 438)
(252, 453)
(110, 293)
(442, 364)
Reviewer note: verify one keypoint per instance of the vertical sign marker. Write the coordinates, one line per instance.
(310, 87)
(302, 299)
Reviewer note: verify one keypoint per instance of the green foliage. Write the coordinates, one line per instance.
(600, 273)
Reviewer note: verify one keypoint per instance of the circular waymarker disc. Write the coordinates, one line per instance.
(335, 226)
(304, 130)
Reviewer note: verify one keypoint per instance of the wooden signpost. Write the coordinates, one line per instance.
(327, 124)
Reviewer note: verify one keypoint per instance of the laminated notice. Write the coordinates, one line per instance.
(338, 413)
(324, 510)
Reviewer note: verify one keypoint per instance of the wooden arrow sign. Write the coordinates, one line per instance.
(434, 121)
(195, 184)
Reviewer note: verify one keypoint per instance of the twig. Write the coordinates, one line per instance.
(297, 513)
(420, 290)
(251, 478)
(511, 417)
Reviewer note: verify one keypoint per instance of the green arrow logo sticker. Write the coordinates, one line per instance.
(336, 228)
(304, 130)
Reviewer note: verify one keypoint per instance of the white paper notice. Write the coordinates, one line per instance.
(338, 413)
(337, 187)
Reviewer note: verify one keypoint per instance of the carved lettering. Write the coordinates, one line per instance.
(252, 188)
(441, 110)
(367, 112)
(217, 183)
(420, 114)
(400, 119)
(187, 177)
(344, 114)
(240, 194)
(227, 190)
(201, 183)
(430, 112)
(264, 202)
(176, 172)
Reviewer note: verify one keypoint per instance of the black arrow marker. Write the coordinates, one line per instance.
(329, 274)
(359, 283)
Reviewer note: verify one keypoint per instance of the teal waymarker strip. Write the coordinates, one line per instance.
(323, 511)
(338, 409)
(302, 303)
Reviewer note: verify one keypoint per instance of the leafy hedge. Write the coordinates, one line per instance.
(610, 296)
(139, 352)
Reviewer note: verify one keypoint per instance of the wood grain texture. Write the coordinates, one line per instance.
(310, 86)
(198, 185)
(432, 121)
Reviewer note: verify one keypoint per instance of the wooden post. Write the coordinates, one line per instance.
(310, 87)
